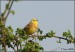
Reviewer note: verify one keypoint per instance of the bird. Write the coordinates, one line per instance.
(31, 27)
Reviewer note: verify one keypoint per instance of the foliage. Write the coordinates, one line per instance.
(31, 46)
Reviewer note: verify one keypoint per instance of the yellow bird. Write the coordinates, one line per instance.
(31, 27)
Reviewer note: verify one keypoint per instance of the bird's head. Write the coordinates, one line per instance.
(34, 20)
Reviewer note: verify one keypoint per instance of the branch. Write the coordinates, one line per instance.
(4, 40)
(5, 10)
(53, 36)
(9, 9)
(62, 38)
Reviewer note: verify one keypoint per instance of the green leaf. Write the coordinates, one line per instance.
(10, 28)
(69, 33)
(65, 34)
(38, 30)
(12, 12)
(52, 33)
(41, 48)
(41, 32)
(48, 35)
(40, 38)
(7, 6)
(2, 14)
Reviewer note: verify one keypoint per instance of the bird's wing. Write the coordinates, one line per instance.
(27, 27)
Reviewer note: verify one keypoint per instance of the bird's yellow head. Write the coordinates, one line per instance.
(34, 21)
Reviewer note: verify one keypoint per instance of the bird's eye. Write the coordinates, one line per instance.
(33, 20)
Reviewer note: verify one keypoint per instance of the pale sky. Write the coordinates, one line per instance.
(52, 15)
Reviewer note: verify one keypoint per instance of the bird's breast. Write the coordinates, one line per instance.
(32, 29)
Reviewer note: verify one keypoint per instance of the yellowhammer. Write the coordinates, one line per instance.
(31, 27)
